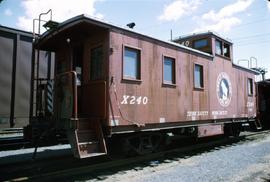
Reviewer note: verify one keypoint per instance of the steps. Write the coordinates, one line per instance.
(87, 140)
(258, 124)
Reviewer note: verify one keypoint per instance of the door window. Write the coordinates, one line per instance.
(96, 64)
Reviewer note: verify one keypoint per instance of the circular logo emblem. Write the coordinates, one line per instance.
(224, 89)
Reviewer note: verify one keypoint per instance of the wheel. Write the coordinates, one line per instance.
(142, 143)
(232, 130)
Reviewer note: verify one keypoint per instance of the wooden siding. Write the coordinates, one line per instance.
(179, 102)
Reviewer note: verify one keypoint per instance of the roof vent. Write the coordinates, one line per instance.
(50, 25)
(131, 25)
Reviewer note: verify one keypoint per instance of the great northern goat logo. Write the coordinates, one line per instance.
(224, 89)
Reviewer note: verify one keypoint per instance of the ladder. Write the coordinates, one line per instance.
(36, 104)
(38, 108)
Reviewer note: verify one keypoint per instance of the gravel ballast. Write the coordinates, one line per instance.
(244, 161)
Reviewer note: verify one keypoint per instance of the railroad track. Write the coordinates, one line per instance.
(17, 141)
(75, 169)
(12, 143)
(11, 131)
(17, 144)
(12, 138)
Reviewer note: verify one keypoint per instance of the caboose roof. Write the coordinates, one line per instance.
(84, 21)
(199, 34)
(246, 69)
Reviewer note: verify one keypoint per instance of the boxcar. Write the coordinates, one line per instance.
(112, 81)
(263, 103)
(15, 76)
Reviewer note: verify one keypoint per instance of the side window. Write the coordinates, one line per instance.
(132, 63)
(250, 86)
(96, 64)
(168, 70)
(218, 47)
(200, 43)
(226, 50)
(198, 76)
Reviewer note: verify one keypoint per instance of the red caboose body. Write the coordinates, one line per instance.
(114, 81)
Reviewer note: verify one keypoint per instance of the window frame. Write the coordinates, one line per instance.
(221, 47)
(139, 65)
(102, 64)
(201, 76)
(165, 82)
(250, 87)
(228, 46)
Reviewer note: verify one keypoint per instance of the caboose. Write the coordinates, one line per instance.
(113, 82)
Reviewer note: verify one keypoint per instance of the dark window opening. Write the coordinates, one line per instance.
(169, 70)
(226, 50)
(200, 43)
(198, 76)
(96, 64)
(250, 86)
(61, 64)
(131, 67)
(218, 47)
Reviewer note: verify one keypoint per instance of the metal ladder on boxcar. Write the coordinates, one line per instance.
(41, 88)
(41, 96)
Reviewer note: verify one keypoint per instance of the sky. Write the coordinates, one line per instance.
(245, 22)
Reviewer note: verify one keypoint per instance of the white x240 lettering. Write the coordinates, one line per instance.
(127, 99)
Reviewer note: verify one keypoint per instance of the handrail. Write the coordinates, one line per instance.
(34, 34)
(241, 60)
(251, 61)
(35, 59)
(40, 20)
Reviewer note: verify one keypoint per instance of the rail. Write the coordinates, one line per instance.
(54, 169)
(249, 62)
(40, 20)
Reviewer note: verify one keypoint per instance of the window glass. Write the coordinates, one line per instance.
(168, 70)
(218, 47)
(77, 57)
(198, 76)
(96, 65)
(226, 50)
(250, 86)
(131, 63)
(200, 43)
(79, 75)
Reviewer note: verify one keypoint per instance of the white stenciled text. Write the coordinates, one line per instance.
(127, 99)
